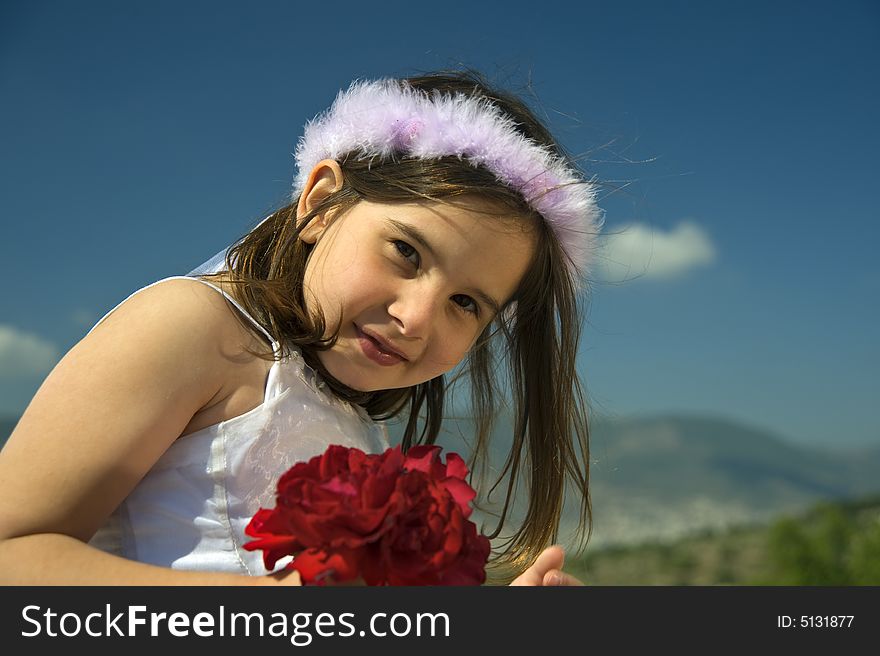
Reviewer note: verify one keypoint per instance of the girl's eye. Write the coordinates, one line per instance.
(467, 304)
(406, 251)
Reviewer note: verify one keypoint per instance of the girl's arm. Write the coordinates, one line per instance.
(99, 422)
(57, 559)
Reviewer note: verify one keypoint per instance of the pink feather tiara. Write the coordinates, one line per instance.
(387, 117)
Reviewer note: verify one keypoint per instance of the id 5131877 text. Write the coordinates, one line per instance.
(814, 621)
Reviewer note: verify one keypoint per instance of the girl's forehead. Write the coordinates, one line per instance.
(460, 216)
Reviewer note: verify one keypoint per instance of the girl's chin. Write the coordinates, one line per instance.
(366, 377)
(341, 368)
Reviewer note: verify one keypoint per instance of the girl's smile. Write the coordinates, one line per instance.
(378, 349)
(412, 285)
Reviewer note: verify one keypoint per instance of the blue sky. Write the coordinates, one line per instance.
(737, 142)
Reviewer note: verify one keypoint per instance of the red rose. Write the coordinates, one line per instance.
(431, 541)
(390, 519)
(338, 500)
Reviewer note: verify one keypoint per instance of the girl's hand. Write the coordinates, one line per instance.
(292, 577)
(282, 577)
(547, 570)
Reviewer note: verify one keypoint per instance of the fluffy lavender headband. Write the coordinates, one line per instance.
(386, 117)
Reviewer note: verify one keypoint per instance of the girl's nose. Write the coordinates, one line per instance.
(416, 309)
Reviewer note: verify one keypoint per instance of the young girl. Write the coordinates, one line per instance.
(434, 222)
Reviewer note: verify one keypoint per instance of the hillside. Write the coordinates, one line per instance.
(829, 544)
(664, 477)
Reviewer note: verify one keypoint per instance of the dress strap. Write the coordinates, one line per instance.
(275, 345)
(236, 304)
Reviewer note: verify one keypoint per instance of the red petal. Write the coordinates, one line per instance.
(455, 466)
(461, 492)
(314, 565)
(422, 458)
(274, 548)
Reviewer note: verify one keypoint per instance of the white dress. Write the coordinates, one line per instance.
(190, 510)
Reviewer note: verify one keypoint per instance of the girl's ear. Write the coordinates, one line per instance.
(324, 179)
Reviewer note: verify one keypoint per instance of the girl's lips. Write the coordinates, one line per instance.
(376, 352)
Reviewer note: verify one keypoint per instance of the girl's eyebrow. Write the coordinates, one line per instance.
(418, 236)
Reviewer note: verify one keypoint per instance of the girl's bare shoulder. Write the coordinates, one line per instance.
(175, 305)
(113, 405)
(206, 340)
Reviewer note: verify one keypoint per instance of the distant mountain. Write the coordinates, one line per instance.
(663, 477)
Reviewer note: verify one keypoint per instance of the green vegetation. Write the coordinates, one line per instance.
(831, 544)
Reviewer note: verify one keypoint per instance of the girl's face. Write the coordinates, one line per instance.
(414, 285)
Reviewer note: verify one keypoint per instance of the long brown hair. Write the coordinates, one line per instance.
(537, 332)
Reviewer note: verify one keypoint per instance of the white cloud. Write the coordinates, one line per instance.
(642, 252)
(23, 355)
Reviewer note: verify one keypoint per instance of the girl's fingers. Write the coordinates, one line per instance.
(556, 577)
(552, 558)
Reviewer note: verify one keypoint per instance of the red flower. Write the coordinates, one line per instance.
(388, 518)
(431, 542)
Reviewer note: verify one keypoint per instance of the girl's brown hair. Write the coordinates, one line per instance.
(539, 328)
